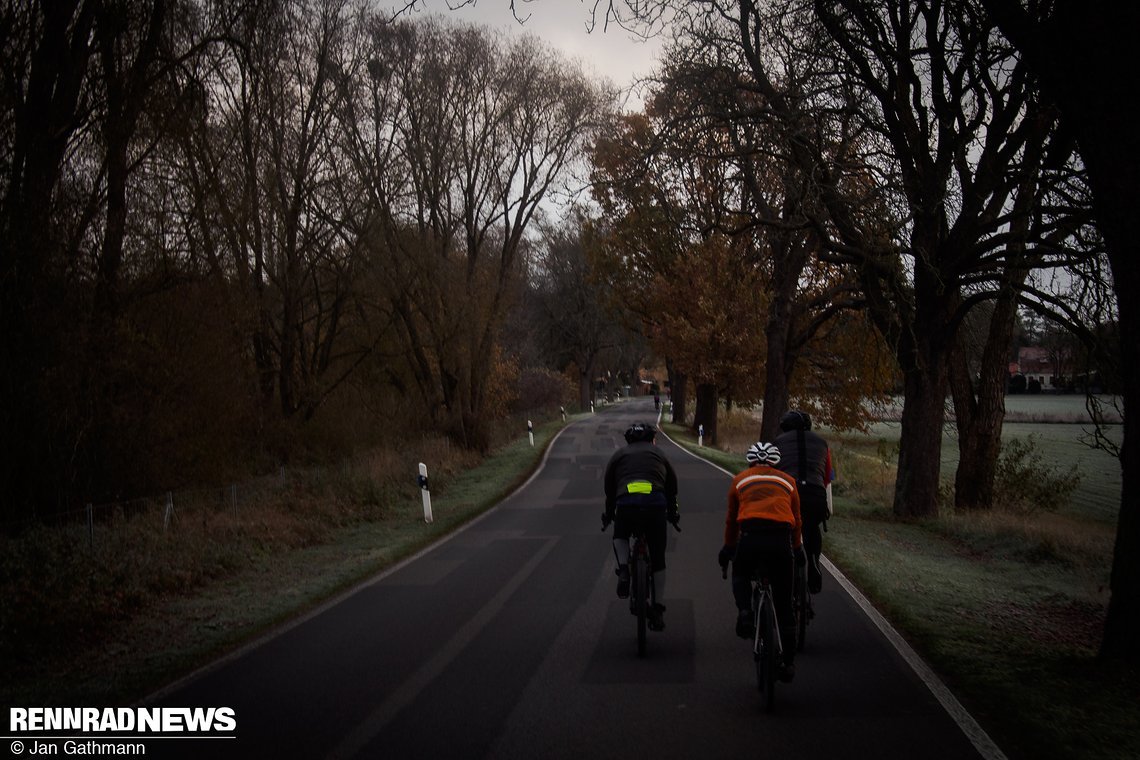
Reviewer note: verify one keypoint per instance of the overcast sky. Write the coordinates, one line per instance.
(614, 54)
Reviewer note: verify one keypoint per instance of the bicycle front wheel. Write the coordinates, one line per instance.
(801, 608)
(641, 599)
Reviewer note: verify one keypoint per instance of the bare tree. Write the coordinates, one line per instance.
(273, 198)
(480, 132)
(575, 314)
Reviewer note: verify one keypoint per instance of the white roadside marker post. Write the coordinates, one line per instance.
(422, 481)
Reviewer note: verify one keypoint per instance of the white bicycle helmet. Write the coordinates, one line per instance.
(763, 453)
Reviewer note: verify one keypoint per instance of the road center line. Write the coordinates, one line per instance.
(406, 693)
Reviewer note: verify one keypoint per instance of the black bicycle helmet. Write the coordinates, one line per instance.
(639, 431)
(795, 420)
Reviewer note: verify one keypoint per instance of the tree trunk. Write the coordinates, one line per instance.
(1118, 177)
(980, 414)
(678, 390)
(979, 419)
(585, 386)
(925, 342)
(776, 370)
(706, 412)
(920, 447)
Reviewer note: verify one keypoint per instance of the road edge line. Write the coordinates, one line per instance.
(973, 730)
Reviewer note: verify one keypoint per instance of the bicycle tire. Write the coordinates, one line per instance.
(641, 597)
(801, 609)
(757, 641)
(764, 653)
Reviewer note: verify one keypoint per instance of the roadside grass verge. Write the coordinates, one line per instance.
(1008, 608)
(110, 621)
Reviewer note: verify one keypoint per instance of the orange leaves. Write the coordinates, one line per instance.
(712, 314)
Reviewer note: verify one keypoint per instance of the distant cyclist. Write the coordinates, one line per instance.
(641, 487)
(807, 458)
(761, 532)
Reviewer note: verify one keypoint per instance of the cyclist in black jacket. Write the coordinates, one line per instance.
(807, 458)
(641, 486)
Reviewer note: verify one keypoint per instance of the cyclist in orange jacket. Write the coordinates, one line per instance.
(762, 529)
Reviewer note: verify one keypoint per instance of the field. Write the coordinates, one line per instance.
(1062, 435)
(1058, 427)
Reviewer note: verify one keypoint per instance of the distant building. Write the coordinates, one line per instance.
(1041, 365)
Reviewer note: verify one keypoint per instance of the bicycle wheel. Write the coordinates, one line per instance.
(764, 652)
(801, 605)
(640, 569)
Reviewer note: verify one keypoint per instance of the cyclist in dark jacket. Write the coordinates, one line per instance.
(807, 458)
(641, 487)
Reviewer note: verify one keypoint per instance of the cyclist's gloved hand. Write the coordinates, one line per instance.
(725, 556)
(801, 557)
(607, 518)
(674, 517)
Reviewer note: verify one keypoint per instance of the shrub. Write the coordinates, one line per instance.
(539, 388)
(1025, 483)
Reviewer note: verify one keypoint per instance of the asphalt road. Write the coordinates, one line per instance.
(507, 641)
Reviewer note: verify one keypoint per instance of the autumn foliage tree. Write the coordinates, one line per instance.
(727, 217)
(712, 309)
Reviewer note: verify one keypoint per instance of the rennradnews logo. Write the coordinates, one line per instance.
(95, 730)
(91, 720)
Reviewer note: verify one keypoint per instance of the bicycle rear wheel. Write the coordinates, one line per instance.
(640, 568)
(801, 604)
(764, 651)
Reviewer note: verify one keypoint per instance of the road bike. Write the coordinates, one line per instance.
(643, 593)
(767, 647)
